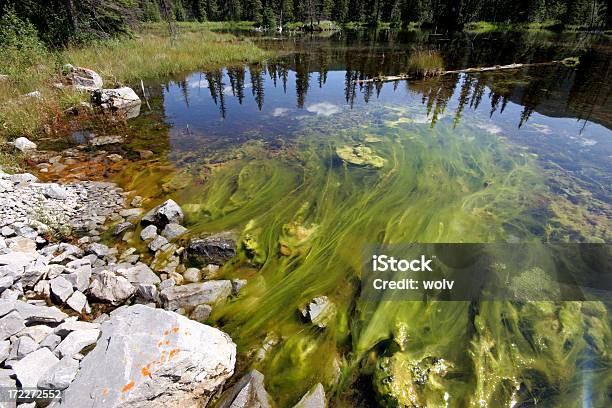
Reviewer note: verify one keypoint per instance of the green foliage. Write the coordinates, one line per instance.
(269, 19)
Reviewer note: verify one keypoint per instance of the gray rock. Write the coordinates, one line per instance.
(77, 302)
(6, 282)
(59, 376)
(7, 232)
(23, 178)
(248, 392)
(173, 230)
(141, 370)
(105, 140)
(238, 284)
(83, 79)
(314, 398)
(192, 275)
(55, 191)
(32, 275)
(30, 368)
(39, 314)
(80, 278)
(200, 313)
(5, 348)
(157, 243)
(16, 262)
(61, 289)
(36, 333)
(146, 292)
(167, 283)
(51, 341)
(76, 341)
(21, 347)
(21, 244)
(122, 100)
(24, 144)
(72, 324)
(111, 288)
(54, 270)
(98, 250)
(148, 233)
(139, 273)
(162, 215)
(193, 294)
(319, 311)
(122, 227)
(215, 249)
(11, 324)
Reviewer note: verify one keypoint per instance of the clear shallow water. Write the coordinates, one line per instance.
(501, 157)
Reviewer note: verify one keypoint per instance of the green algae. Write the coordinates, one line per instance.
(304, 218)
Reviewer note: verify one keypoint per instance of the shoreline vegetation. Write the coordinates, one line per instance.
(33, 103)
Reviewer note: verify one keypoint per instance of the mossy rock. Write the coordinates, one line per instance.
(360, 155)
(401, 381)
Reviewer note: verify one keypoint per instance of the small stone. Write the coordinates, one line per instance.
(148, 233)
(122, 227)
(173, 230)
(108, 287)
(22, 347)
(61, 289)
(51, 341)
(115, 158)
(200, 313)
(77, 301)
(238, 284)
(146, 292)
(97, 249)
(24, 144)
(192, 275)
(76, 341)
(136, 201)
(60, 375)
(5, 348)
(314, 398)
(162, 215)
(140, 273)
(11, 324)
(248, 392)
(30, 368)
(157, 243)
(7, 232)
(194, 294)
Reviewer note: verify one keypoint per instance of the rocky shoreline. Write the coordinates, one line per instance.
(114, 326)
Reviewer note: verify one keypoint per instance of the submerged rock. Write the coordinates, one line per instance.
(360, 155)
(249, 392)
(152, 358)
(319, 311)
(164, 214)
(215, 249)
(194, 294)
(314, 398)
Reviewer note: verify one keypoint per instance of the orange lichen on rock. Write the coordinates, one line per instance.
(173, 353)
(104, 391)
(128, 386)
(145, 370)
(175, 329)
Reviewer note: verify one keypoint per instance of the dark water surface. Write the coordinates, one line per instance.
(307, 167)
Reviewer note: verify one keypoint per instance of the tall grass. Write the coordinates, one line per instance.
(30, 66)
(424, 63)
(152, 54)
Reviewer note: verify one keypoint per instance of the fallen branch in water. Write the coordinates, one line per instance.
(572, 61)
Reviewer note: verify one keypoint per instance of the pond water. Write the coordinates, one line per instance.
(307, 168)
